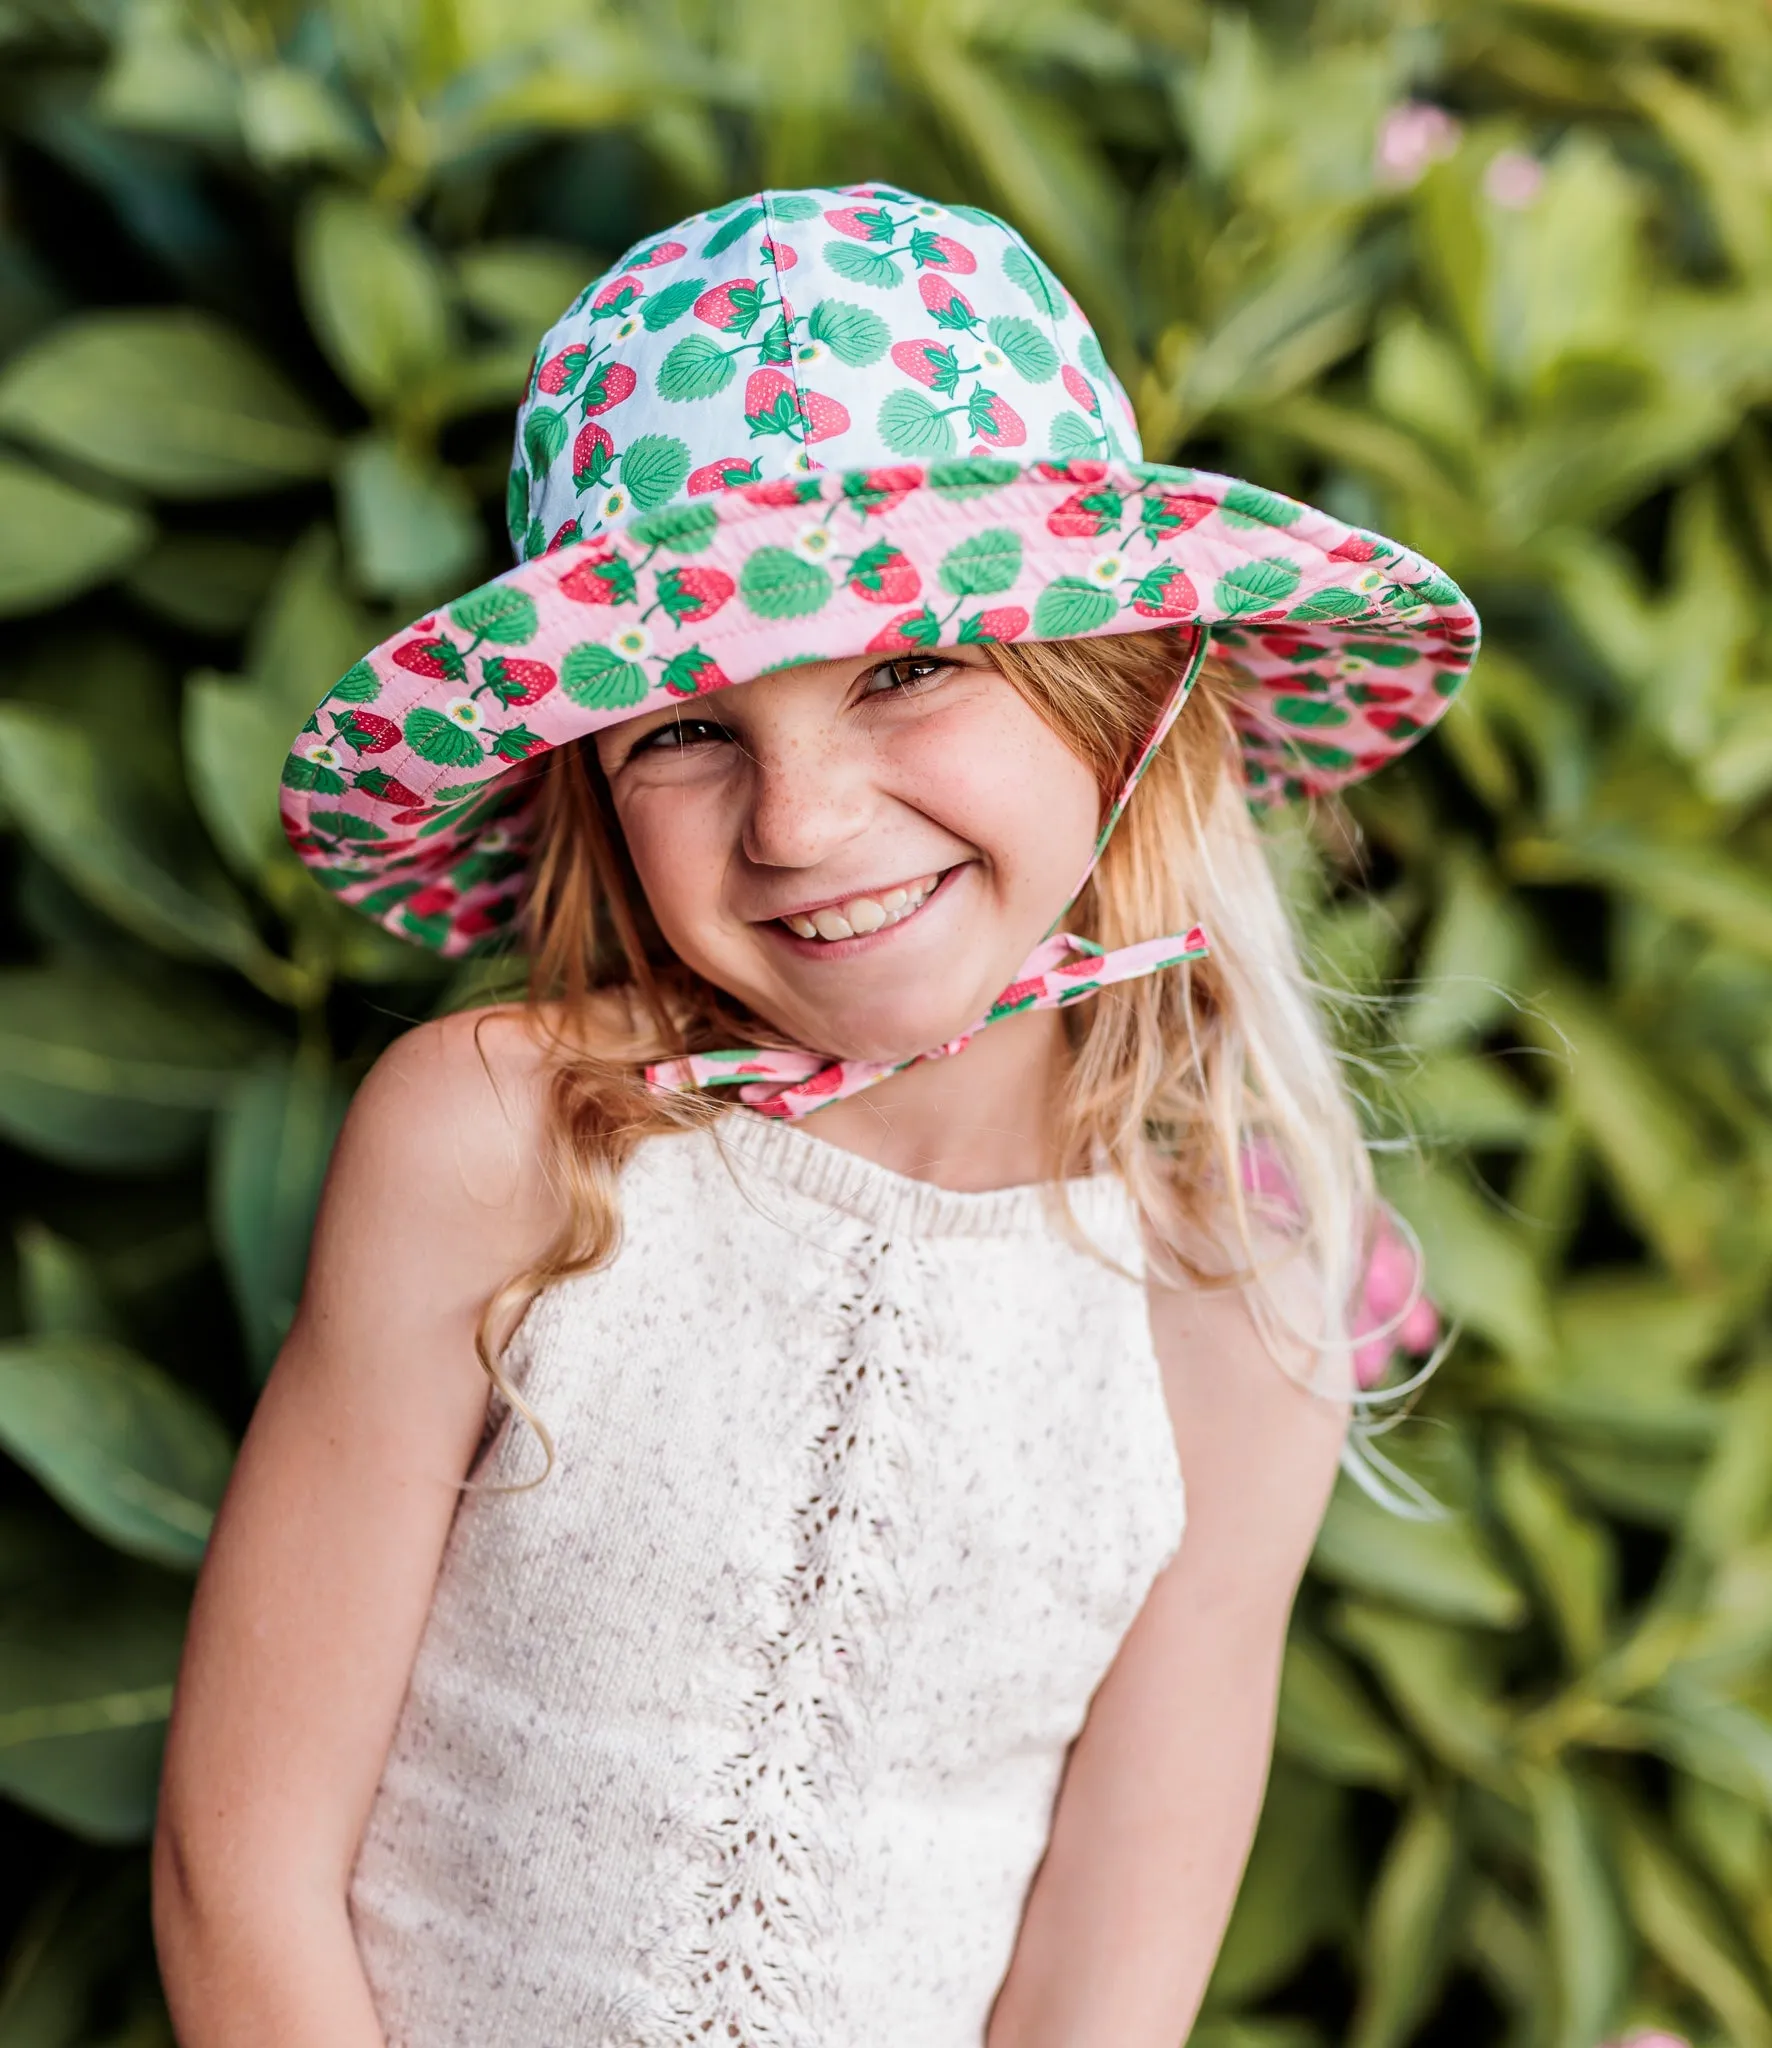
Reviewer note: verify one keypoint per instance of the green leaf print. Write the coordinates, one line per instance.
(978, 218)
(862, 265)
(1090, 356)
(668, 305)
(695, 368)
(654, 469)
(1070, 606)
(777, 583)
(973, 476)
(1028, 350)
(358, 685)
(1309, 711)
(1249, 505)
(599, 679)
(435, 738)
(301, 773)
(684, 529)
(910, 425)
(1025, 270)
(1436, 590)
(732, 230)
(851, 333)
(1072, 435)
(982, 566)
(789, 207)
(347, 825)
(1255, 587)
(544, 435)
(1333, 603)
(498, 612)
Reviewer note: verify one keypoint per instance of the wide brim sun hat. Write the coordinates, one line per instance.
(809, 425)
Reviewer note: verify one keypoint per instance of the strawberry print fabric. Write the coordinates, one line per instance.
(814, 424)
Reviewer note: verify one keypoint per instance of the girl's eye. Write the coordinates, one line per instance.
(907, 672)
(679, 735)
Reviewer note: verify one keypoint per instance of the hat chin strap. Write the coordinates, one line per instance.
(789, 1082)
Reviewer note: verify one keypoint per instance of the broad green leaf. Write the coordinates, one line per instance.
(64, 1959)
(127, 1450)
(62, 794)
(106, 1074)
(1293, 1888)
(1569, 1554)
(211, 583)
(289, 115)
(1028, 349)
(1589, 1941)
(1444, 1568)
(1473, 965)
(375, 294)
(654, 468)
(271, 1150)
(59, 540)
(410, 527)
(911, 424)
(1408, 1927)
(86, 1677)
(1478, 1270)
(1326, 1720)
(853, 334)
(168, 399)
(983, 565)
(1440, 1679)
(59, 1288)
(696, 367)
(523, 285)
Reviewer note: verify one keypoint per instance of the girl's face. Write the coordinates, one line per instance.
(862, 851)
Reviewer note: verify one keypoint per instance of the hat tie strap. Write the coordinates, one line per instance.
(783, 1081)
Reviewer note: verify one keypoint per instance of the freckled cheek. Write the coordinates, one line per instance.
(1031, 814)
(679, 843)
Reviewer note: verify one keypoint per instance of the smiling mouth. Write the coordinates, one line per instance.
(855, 917)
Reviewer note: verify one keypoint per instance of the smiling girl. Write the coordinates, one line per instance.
(709, 1563)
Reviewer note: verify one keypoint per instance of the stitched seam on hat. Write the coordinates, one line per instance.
(767, 201)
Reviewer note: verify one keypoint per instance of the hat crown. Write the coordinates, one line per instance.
(786, 332)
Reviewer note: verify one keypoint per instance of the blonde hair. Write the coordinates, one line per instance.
(1180, 1082)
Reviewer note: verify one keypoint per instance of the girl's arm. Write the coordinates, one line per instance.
(1164, 1784)
(320, 1571)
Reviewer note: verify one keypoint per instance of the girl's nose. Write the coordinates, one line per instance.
(807, 800)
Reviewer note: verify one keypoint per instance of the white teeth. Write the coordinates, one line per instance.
(862, 914)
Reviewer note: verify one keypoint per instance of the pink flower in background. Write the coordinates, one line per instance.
(1411, 137)
(1654, 2038)
(1392, 1277)
(1514, 180)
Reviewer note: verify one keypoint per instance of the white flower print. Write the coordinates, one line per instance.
(1107, 570)
(814, 542)
(465, 712)
(633, 643)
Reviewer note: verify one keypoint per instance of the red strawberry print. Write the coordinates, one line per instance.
(367, 731)
(919, 628)
(1086, 514)
(564, 538)
(874, 492)
(733, 308)
(951, 308)
(478, 920)
(616, 297)
(1001, 622)
(931, 363)
(1356, 548)
(1166, 592)
(1394, 724)
(1381, 693)
(1079, 469)
(517, 682)
(660, 252)
(1019, 992)
(824, 416)
(862, 223)
(782, 490)
(439, 659)
(416, 816)
(691, 595)
(883, 575)
(996, 420)
(825, 1082)
(609, 384)
(593, 456)
(692, 673)
(769, 406)
(373, 782)
(432, 901)
(942, 252)
(605, 579)
(779, 253)
(1170, 512)
(724, 475)
(517, 743)
(1081, 389)
(560, 372)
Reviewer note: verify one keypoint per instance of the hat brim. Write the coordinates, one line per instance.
(409, 792)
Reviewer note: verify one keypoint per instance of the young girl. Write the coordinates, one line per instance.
(708, 1564)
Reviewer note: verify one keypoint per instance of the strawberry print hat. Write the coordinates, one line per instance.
(807, 425)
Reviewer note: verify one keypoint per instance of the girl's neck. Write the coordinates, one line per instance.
(985, 1118)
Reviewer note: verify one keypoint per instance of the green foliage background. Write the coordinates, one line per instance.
(269, 280)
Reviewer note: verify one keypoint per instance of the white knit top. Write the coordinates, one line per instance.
(745, 1728)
